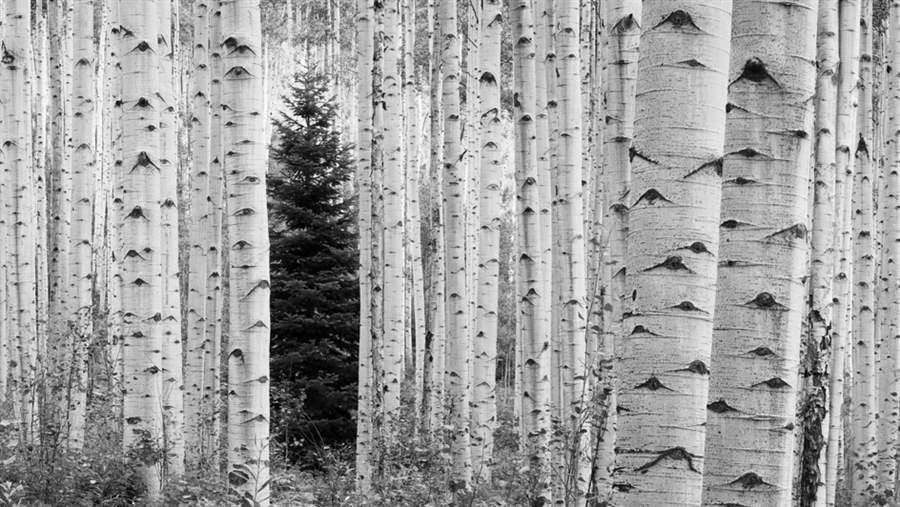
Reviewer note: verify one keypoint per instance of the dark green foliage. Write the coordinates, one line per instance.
(315, 293)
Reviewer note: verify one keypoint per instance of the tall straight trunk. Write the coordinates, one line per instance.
(246, 227)
(413, 211)
(672, 251)
(863, 467)
(889, 356)
(531, 270)
(763, 253)
(571, 252)
(365, 34)
(81, 240)
(215, 254)
(197, 401)
(458, 346)
(437, 330)
(140, 253)
(394, 201)
(484, 395)
(173, 381)
(816, 356)
(471, 161)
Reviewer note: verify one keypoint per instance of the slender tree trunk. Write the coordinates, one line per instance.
(246, 227)
(763, 254)
(365, 35)
(140, 249)
(484, 399)
(672, 251)
(531, 269)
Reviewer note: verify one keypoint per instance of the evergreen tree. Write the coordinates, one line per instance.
(314, 277)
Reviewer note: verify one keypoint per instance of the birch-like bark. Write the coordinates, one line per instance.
(139, 248)
(672, 252)
(365, 35)
(532, 272)
(484, 407)
(762, 257)
(246, 224)
(394, 202)
(197, 408)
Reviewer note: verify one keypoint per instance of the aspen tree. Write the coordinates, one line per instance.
(619, 84)
(889, 356)
(531, 269)
(437, 331)
(484, 407)
(394, 201)
(365, 36)
(454, 184)
(81, 240)
(198, 408)
(760, 296)
(246, 225)
(215, 295)
(413, 211)
(139, 247)
(172, 380)
(811, 408)
(863, 468)
(672, 251)
(573, 272)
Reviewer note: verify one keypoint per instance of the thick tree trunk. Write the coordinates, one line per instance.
(672, 252)
(532, 291)
(246, 225)
(140, 249)
(763, 255)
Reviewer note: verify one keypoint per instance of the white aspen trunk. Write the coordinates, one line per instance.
(845, 138)
(619, 84)
(762, 256)
(80, 246)
(173, 382)
(813, 427)
(571, 253)
(394, 201)
(246, 225)
(532, 271)
(215, 256)
(484, 393)
(197, 408)
(364, 437)
(139, 247)
(672, 252)
(413, 212)
(455, 212)
(437, 332)
(889, 354)
(862, 464)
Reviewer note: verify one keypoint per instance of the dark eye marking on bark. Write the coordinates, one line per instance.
(673, 263)
(861, 146)
(653, 384)
(642, 330)
(733, 224)
(258, 324)
(721, 407)
(697, 366)
(766, 301)
(687, 306)
(133, 420)
(618, 208)
(679, 19)
(137, 212)
(749, 153)
(651, 196)
(622, 410)
(755, 71)
(633, 153)
(133, 253)
(691, 63)
(625, 25)
(750, 480)
(762, 352)
(238, 72)
(714, 165)
(773, 383)
(794, 232)
(142, 47)
(622, 487)
(8, 57)
(675, 453)
(238, 478)
(143, 160)
(740, 180)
